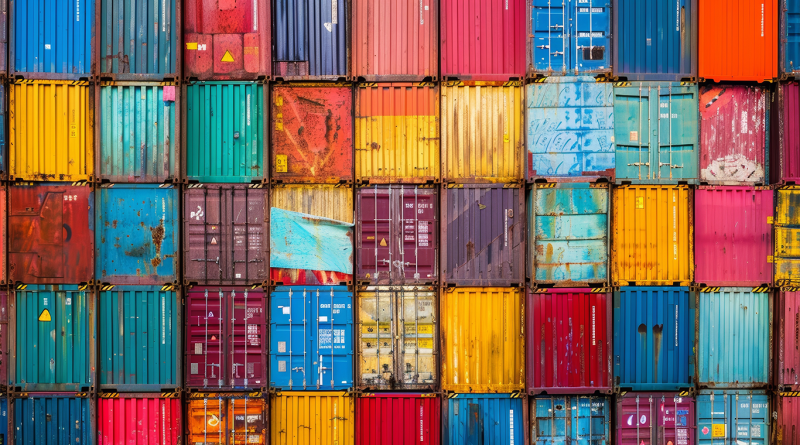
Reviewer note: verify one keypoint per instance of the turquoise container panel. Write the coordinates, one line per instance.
(138, 132)
(558, 420)
(488, 419)
(790, 37)
(53, 420)
(225, 132)
(140, 339)
(656, 131)
(734, 340)
(308, 242)
(740, 417)
(654, 338)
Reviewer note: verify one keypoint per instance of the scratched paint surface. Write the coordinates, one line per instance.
(577, 418)
(494, 419)
(787, 318)
(312, 418)
(221, 419)
(787, 230)
(302, 241)
(38, 415)
(142, 419)
(640, 415)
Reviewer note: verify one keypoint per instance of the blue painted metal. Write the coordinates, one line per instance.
(137, 234)
(790, 37)
(53, 420)
(4, 439)
(733, 417)
(588, 417)
(310, 38)
(478, 419)
(302, 241)
(311, 338)
(654, 338)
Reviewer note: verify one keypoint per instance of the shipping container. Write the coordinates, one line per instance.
(653, 235)
(139, 132)
(51, 130)
(311, 39)
(667, 154)
(50, 233)
(3, 243)
(398, 419)
(398, 333)
(490, 419)
(5, 357)
(656, 418)
(53, 419)
(654, 338)
(570, 419)
(789, 39)
(733, 416)
(141, 419)
(482, 139)
(52, 339)
(787, 425)
(311, 331)
(226, 335)
(226, 419)
(733, 133)
(787, 237)
(4, 423)
(397, 234)
(569, 224)
(787, 334)
(734, 337)
(4, 24)
(312, 418)
(225, 132)
(397, 133)
(569, 341)
(140, 339)
(312, 133)
(483, 238)
(655, 39)
(225, 231)
(784, 134)
(138, 234)
(733, 236)
(483, 339)
(570, 128)
(395, 40)
(3, 114)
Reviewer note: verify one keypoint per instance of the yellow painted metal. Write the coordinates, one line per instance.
(51, 130)
(312, 418)
(483, 339)
(787, 236)
(482, 139)
(327, 201)
(653, 236)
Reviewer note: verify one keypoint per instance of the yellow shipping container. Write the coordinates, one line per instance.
(483, 340)
(327, 201)
(787, 237)
(312, 418)
(51, 130)
(482, 131)
(652, 230)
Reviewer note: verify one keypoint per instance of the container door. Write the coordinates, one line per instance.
(204, 236)
(416, 317)
(290, 31)
(633, 114)
(207, 421)
(332, 363)
(787, 237)
(676, 140)
(676, 420)
(636, 425)
(751, 416)
(549, 36)
(205, 338)
(590, 26)
(375, 237)
(713, 419)
(290, 352)
(792, 45)
(590, 420)
(552, 421)
(247, 321)
(417, 233)
(246, 421)
(377, 326)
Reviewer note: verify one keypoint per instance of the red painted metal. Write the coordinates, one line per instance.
(784, 156)
(787, 323)
(649, 418)
(3, 229)
(398, 419)
(142, 419)
(290, 277)
(569, 338)
(788, 422)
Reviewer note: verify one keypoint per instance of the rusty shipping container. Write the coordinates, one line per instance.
(656, 418)
(3, 238)
(787, 425)
(398, 419)
(652, 236)
(141, 419)
(312, 133)
(787, 328)
(787, 237)
(784, 138)
(492, 419)
(5, 334)
(312, 418)
(397, 133)
(733, 133)
(483, 238)
(226, 419)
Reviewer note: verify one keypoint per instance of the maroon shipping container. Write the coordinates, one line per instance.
(398, 419)
(569, 341)
(225, 234)
(732, 134)
(649, 418)
(787, 405)
(226, 338)
(733, 235)
(397, 230)
(787, 325)
(784, 155)
(3, 220)
(142, 419)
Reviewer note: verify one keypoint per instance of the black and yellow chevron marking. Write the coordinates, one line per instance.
(540, 290)
(761, 289)
(540, 80)
(545, 185)
(168, 287)
(216, 395)
(256, 186)
(790, 393)
(107, 287)
(601, 290)
(80, 183)
(427, 395)
(453, 185)
(22, 286)
(170, 395)
(709, 290)
(368, 84)
(684, 393)
(81, 394)
(83, 287)
(108, 395)
(622, 84)
(516, 394)
(452, 395)
(790, 289)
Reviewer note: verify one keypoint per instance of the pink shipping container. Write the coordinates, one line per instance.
(141, 419)
(649, 418)
(733, 236)
(732, 134)
(787, 325)
(784, 155)
(787, 406)
(398, 419)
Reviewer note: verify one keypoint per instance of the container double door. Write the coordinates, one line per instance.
(565, 419)
(733, 417)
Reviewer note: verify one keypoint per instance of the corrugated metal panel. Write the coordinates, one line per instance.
(226, 419)
(787, 362)
(398, 344)
(787, 237)
(784, 143)
(733, 236)
(4, 424)
(482, 138)
(398, 419)
(138, 234)
(50, 233)
(733, 417)
(57, 323)
(656, 418)
(138, 140)
(654, 336)
(788, 422)
(312, 132)
(312, 418)
(51, 130)
(652, 236)
(397, 133)
(492, 419)
(655, 39)
(3, 240)
(395, 40)
(225, 131)
(53, 420)
(142, 419)
(3, 114)
(5, 356)
(570, 419)
(484, 235)
(732, 134)
(789, 38)
(311, 39)
(734, 338)
(4, 37)
(140, 339)
(325, 201)
(483, 340)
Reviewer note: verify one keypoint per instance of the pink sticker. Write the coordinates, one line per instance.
(705, 430)
(169, 93)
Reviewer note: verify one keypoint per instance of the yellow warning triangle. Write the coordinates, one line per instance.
(227, 57)
(45, 316)
(383, 242)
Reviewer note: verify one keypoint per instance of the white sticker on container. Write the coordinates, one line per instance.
(323, 318)
(44, 301)
(281, 346)
(198, 348)
(281, 366)
(287, 310)
(47, 46)
(511, 426)
(335, 12)
(68, 302)
(194, 368)
(238, 275)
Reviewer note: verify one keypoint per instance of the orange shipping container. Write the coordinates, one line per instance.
(227, 418)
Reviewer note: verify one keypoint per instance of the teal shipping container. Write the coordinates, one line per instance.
(53, 419)
(489, 419)
(558, 420)
(225, 132)
(656, 129)
(734, 417)
(734, 338)
(52, 339)
(140, 339)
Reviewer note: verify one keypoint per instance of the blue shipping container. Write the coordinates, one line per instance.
(733, 417)
(570, 419)
(53, 420)
(790, 37)
(310, 38)
(654, 338)
(486, 419)
(137, 234)
(311, 338)
(4, 439)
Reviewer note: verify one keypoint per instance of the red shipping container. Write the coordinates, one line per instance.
(787, 405)
(649, 418)
(142, 419)
(569, 338)
(292, 277)
(51, 233)
(787, 325)
(784, 155)
(733, 236)
(732, 134)
(398, 419)
(3, 220)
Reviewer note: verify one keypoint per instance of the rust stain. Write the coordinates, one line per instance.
(157, 234)
(657, 336)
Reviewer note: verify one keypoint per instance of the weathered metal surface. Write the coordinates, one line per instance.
(4, 116)
(141, 419)
(4, 48)
(226, 419)
(53, 419)
(787, 236)
(492, 419)
(312, 128)
(787, 425)
(784, 138)
(301, 241)
(731, 416)
(570, 419)
(398, 419)
(787, 331)
(5, 356)
(312, 418)
(4, 423)
(658, 418)
(3, 241)
(789, 38)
